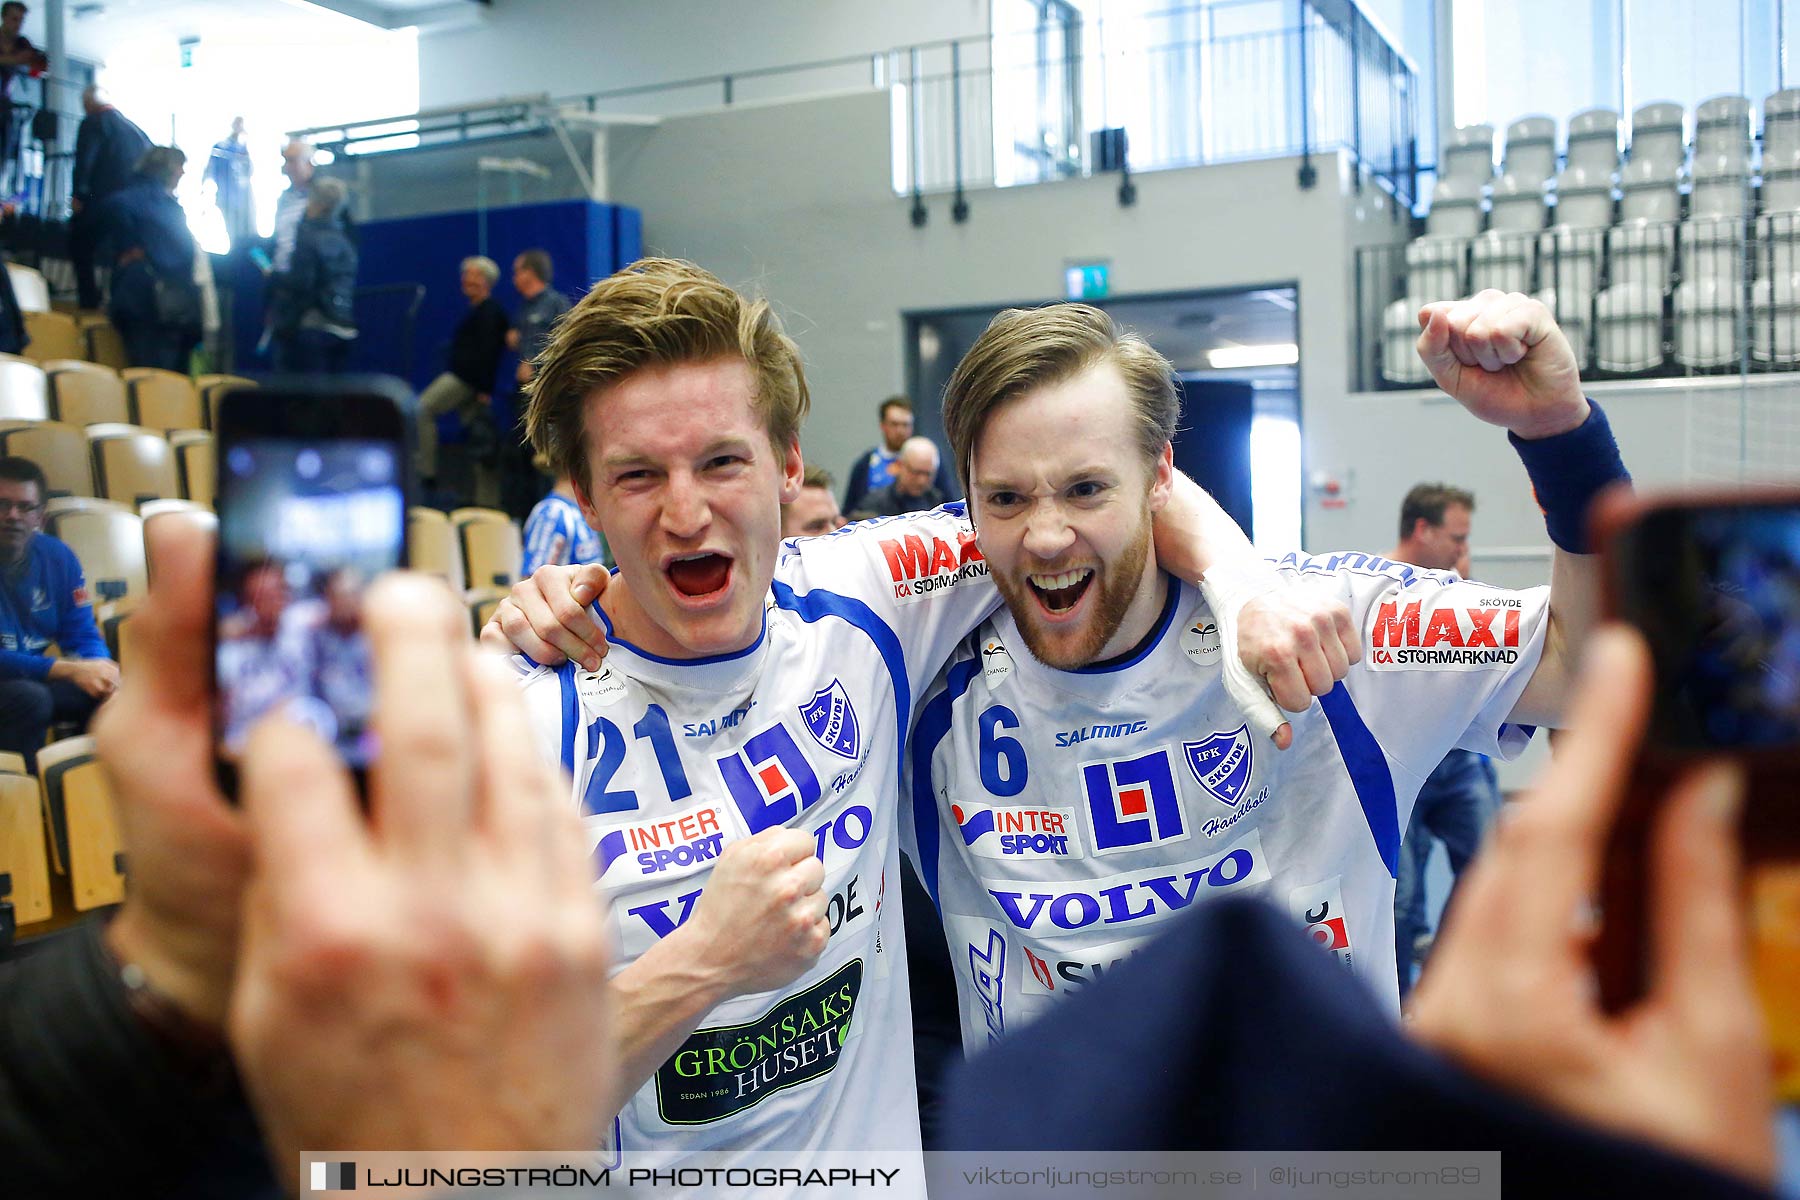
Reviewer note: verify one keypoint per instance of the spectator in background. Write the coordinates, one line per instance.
(874, 468)
(558, 534)
(815, 510)
(466, 389)
(1462, 794)
(143, 232)
(228, 170)
(914, 488)
(17, 57)
(43, 600)
(290, 206)
(313, 311)
(108, 148)
(521, 483)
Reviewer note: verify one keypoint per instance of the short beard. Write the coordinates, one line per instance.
(1118, 586)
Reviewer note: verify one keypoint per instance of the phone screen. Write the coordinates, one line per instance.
(1716, 591)
(304, 527)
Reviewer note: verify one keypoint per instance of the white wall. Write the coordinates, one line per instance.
(793, 200)
(570, 47)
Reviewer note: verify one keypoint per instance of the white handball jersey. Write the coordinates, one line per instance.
(1056, 845)
(674, 761)
(556, 533)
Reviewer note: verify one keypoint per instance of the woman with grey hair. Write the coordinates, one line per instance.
(142, 233)
(313, 310)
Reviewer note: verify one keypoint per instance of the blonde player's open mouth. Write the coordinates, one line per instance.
(1061, 592)
(699, 576)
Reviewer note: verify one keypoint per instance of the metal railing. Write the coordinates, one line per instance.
(1187, 86)
(1711, 294)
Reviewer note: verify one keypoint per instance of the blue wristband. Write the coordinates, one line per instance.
(1567, 471)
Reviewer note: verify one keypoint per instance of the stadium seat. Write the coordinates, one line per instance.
(1531, 151)
(1713, 249)
(85, 393)
(84, 828)
(60, 451)
(1501, 260)
(162, 400)
(1594, 141)
(493, 548)
(1455, 210)
(482, 602)
(109, 541)
(1781, 125)
(103, 344)
(1569, 263)
(1775, 320)
(1706, 323)
(196, 465)
(30, 288)
(51, 335)
(1780, 181)
(1721, 186)
(1628, 328)
(24, 395)
(1642, 252)
(1400, 361)
(132, 465)
(1649, 191)
(23, 853)
(212, 389)
(1659, 136)
(1584, 198)
(1518, 205)
(1722, 130)
(1468, 157)
(1777, 244)
(433, 546)
(1436, 268)
(111, 619)
(11, 764)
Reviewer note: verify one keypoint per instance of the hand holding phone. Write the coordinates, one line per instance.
(1712, 582)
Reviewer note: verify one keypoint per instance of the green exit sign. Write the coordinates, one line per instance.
(187, 51)
(1087, 281)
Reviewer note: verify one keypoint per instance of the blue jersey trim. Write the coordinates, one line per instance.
(821, 603)
(1151, 642)
(679, 662)
(934, 723)
(1369, 773)
(571, 705)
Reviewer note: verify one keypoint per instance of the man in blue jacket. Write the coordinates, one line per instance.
(43, 599)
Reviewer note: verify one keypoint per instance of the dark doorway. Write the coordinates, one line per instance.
(1235, 356)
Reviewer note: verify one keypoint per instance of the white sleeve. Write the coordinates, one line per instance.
(921, 575)
(550, 708)
(1444, 659)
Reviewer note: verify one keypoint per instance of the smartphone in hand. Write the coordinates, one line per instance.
(1712, 581)
(312, 501)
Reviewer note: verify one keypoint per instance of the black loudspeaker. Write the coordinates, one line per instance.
(43, 126)
(1109, 149)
